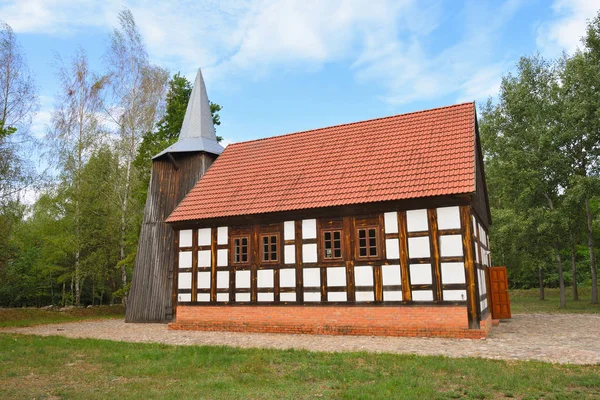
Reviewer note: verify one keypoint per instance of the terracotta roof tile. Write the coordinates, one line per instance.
(420, 154)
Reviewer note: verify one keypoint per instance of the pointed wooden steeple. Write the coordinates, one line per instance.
(175, 171)
(197, 132)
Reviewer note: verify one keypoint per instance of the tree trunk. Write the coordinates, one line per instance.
(123, 229)
(541, 281)
(561, 280)
(590, 236)
(574, 273)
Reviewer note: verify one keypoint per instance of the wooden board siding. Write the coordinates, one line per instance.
(151, 294)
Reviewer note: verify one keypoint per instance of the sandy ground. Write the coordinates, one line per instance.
(557, 338)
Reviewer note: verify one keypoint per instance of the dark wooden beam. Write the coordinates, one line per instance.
(213, 265)
(468, 251)
(404, 265)
(194, 265)
(299, 264)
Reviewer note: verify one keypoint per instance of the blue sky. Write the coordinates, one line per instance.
(284, 66)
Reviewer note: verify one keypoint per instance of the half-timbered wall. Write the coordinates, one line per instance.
(482, 262)
(421, 259)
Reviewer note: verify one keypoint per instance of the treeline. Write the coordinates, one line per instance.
(541, 143)
(77, 244)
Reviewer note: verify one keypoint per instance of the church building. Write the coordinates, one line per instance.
(375, 227)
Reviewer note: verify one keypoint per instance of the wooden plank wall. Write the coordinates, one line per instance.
(151, 294)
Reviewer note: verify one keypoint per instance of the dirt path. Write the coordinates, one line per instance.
(558, 338)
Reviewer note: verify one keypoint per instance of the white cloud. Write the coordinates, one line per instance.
(387, 43)
(565, 32)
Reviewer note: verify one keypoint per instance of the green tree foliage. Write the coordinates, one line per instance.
(542, 160)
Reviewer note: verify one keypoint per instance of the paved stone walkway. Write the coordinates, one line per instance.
(557, 338)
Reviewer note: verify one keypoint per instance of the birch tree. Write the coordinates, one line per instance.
(18, 104)
(138, 90)
(75, 131)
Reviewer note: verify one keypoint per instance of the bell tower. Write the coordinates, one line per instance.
(175, 171)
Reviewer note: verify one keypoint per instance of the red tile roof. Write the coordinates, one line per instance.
(425, 153)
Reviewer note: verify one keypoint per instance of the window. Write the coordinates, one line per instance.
(240, 250)
(368, 242)
(269, 248)
(332, 244)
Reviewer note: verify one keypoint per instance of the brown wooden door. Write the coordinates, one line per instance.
(499, 287)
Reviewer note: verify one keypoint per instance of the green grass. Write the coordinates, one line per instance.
(34, 316)
(528, 302)
(39, 367)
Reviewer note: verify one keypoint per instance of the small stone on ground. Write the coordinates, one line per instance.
(556, 338)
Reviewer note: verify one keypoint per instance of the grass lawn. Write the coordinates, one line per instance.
(35, 316)
(57, 367)
(528, 301)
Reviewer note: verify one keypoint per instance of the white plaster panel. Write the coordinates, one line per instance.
(222, 297)
(242, 279)
(185, 238)
(309, 229)
(309, 253)
(184, 280)
(365, 296)
(448, 217)
(222, 279)
(287, 277)
(204, 258)
(222, 260)
(203, 297)
(420, 274)
(453, 273)
(311, 277)
(265, 278)
(484, 255)
(477, 248)
(185, 259)
(242, 297)
(289, 254)
(455, 295)
(204, 280)
(265, 297)
(337, 296)
(287, 296)
(482, 285)
(418, 247)
(310, 296)
(392, 295)
(222, 235)
(416, 220)
(392, 249)
(474, 225)
(363, 276)
(451, 245)
(289, 232)
(336, 276)
(391, 222)
(391, 275)
(481, 233)
(422, 295)
(184, 297)
(204, 237)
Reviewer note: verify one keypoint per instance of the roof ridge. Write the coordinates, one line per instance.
(353, 123)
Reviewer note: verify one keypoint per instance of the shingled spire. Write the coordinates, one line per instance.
(197, 132)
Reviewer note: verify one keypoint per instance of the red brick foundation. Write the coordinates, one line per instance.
(430, 321)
